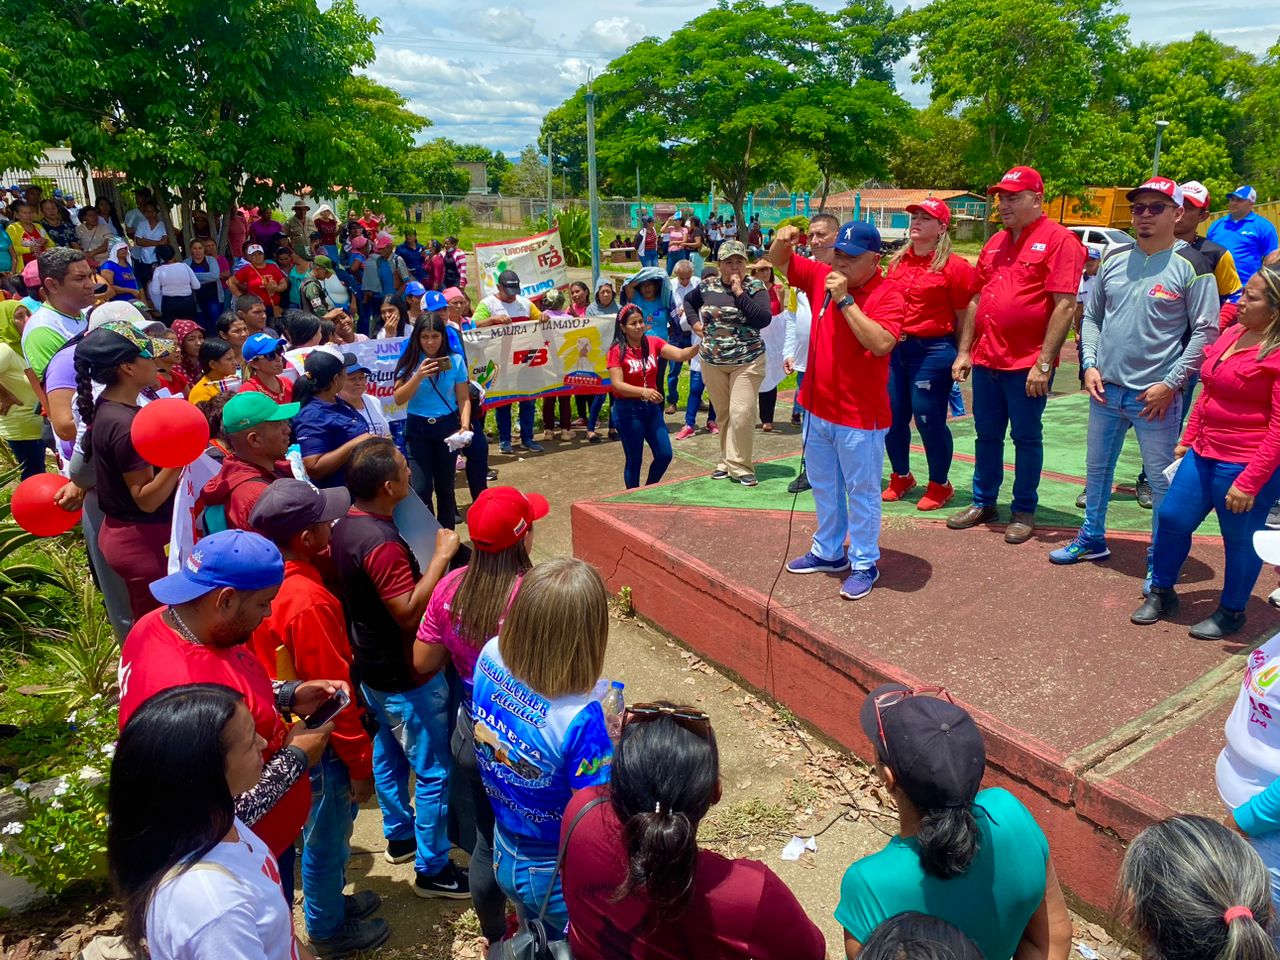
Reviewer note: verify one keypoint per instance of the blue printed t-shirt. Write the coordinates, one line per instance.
(534, 752)
(321, 427)
(656, 317)
(991, 902)
(437, 396)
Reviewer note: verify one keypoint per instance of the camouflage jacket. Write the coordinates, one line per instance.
(727, 337)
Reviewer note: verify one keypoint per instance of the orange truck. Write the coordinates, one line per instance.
(1101, 207)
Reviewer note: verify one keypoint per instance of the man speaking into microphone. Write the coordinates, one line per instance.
(846, 394)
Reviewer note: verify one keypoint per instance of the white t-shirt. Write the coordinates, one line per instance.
(338, 293)
(228, 906)
(374, 416)
(1086, 286)
(796, 343)
(144, 231)
(1251, 759)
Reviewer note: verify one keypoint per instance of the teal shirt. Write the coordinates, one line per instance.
(991, 902)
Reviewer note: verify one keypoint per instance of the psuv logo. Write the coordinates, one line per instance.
(550, 258)
(530, 358)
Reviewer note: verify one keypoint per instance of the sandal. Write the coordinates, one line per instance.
(593, 437)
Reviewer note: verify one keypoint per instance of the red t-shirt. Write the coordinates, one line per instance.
(251, 278)
(155, 658)
(639, 367)
(933, 297)
(1018, 280)
(740, 909)
(257, 386)
(843, 381)
(307, 620)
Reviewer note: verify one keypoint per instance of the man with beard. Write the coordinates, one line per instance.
(213, 604)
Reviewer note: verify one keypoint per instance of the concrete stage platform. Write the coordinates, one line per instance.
(1099, 726)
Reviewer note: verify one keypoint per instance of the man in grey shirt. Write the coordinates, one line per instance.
(1152, 311)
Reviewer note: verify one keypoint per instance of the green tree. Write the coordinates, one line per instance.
(496, 162)
(1022, 72)
(736, 90)
(937, 150)
(221, 105)
(528, 178)
(1262, 148)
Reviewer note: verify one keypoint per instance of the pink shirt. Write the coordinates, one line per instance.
(438, 627)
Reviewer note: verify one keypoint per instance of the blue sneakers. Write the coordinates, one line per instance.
(1080, 549)
(533, 446)
(859, 583)
(810, 563)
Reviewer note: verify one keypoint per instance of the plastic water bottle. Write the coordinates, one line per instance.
(613, 703)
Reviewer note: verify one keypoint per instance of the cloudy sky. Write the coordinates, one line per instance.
(487, 73)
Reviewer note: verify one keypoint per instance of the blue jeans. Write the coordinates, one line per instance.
(956, 402)
(920, 386)
(1000, 403)
(673, 381)
(397, 434)
(638, 423)
(413, 737)
(696, 387)
(503, 416)
(674, 258)
(1200, 486)
(29, 454)
(844, 466)
(649, 259)
(795, 400)
(593, 414)
(1108, 424)
(524, 870)
(326, 846)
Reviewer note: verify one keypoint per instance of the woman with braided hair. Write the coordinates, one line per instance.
(136, 499)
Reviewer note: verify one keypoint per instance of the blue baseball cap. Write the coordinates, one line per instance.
(1092, 253)
(856, 238)
(259, 345)
(1244, 192)
(232, 558)
(414, 289)
(434, 300)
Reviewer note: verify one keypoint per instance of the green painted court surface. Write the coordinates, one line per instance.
(1065, 428)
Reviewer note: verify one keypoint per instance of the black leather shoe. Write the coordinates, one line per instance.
(1219, 624)
(799, 484)
(1160, 604)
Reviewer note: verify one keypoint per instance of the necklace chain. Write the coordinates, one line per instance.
(183, 630)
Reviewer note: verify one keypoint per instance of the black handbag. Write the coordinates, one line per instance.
(530, 941)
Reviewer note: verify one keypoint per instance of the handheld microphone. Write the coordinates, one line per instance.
(826, 302)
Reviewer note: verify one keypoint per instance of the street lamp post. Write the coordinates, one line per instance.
(1155, 163)
(593, 201)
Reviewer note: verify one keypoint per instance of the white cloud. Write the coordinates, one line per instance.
(611, 35)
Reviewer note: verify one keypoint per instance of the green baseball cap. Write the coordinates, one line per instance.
(323, 262)
(248, 408)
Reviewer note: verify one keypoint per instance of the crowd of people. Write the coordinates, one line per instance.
(304, 659)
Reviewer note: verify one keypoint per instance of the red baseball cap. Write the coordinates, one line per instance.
(1161, 185)
(1017, 180)
(934, 208)
(1195, 193)
(501, 516)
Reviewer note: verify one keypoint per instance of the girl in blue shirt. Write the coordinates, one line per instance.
(431, 383)
(327, 428)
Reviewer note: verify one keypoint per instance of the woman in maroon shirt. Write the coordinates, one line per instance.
(636, 884)
(1230, 451)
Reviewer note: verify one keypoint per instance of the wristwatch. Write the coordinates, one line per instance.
(1043, 367)
(1088, 365)
(845, 301)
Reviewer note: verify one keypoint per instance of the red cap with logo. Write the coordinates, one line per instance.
(1017, 180)
(934, 208)
(1195, 193)
(501, 516)
(1162, 185)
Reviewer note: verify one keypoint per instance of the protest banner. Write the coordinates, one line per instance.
(379, 356)
(526, 361)
(538, 261)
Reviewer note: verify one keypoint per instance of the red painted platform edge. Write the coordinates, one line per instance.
(801, 666)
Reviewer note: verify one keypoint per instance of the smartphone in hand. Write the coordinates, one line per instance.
(329, 709)
(444, 363)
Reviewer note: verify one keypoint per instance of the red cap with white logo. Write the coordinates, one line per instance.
(1195, 193)
(1017, 180)
(934, 208)
(1163, 185)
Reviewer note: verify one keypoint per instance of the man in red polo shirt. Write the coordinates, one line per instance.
(845, 392)
(1028, 278)
(213, 604)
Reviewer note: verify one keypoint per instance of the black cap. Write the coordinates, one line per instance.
(509, 281)
(288, 507)
(933, 747)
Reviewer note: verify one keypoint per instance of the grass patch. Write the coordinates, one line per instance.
(732, 829)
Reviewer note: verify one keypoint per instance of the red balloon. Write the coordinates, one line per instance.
(170, 432)
(34, 510)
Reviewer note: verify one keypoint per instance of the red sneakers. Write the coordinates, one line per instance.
(897, 487)
(936, 495)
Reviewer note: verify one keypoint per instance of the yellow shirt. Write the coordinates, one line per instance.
(21, 251)
(21, 422)
(203, 390)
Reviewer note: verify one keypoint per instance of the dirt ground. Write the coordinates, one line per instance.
(779, 779)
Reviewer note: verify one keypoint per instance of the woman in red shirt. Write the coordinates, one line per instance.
(937, 285)
(1229, 454)
(637, 402)
(635, 882)
(261, 278)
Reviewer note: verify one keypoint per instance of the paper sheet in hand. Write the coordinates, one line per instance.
(1171, 469)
